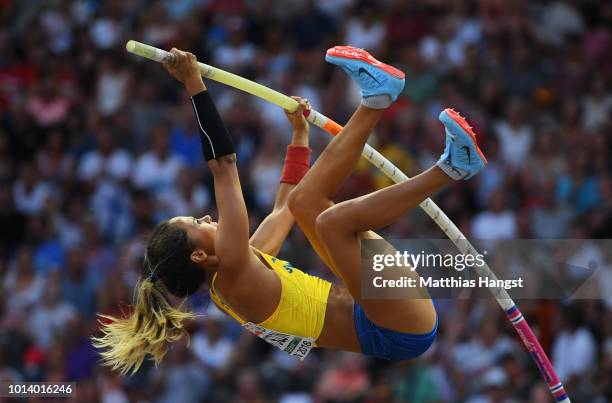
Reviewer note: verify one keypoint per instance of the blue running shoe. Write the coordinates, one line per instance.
(462, 158)
(372, 77)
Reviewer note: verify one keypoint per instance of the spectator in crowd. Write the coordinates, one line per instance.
(551, 219)
(235, 52)
(158, 169)
(100, 258)
(574, 340)
(211, 347)
(68, 222)
(184, 138)
(265, 174)
(347, 381)
(7, 373)
(514, 135)
(112, 87)
(579, 184)
(79, 285)
(111, 388)
(49, 321)
(105, 161)
(519, 380)
(493, 384)
(539, 394)
(30, 192)
(249, 389)
(498, 222)
(365, 30)
(480, 353)
(47, 251)
(186, 197)
(182, 378)
(53, 162)
(415, 382)
(47, 107)
(23, 285)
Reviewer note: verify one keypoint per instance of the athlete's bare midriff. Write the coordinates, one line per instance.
(339, 327)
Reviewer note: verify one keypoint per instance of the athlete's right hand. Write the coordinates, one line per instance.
(185, 69)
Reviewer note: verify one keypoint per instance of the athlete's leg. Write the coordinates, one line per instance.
(339, 158)
(339, 227)
(383, 207)
(461, 159)
(314, 193)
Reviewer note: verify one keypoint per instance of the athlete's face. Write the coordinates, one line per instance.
(202, 231)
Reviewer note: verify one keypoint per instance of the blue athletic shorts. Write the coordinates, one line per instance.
(391, 345)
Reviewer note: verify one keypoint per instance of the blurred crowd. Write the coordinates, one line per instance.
(97, 146)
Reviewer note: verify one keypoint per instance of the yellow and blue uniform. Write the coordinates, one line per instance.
(302, 305)
(301, 312)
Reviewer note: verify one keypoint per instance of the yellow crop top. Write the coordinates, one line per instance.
(301, 309)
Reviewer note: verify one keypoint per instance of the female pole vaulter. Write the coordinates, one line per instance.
(269, 297)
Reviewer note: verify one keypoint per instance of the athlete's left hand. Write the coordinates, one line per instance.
(298, 121)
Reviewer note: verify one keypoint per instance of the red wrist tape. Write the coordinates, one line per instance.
(297, 163)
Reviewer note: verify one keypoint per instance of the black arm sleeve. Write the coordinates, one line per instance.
(216, 140)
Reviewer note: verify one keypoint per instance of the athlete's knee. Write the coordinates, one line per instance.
(297, 202)
(303, 203)
(341, 218)
(329, 222)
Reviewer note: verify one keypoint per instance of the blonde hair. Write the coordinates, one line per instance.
(152, 326)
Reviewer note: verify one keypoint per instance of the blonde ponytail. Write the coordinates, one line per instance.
(153, 324)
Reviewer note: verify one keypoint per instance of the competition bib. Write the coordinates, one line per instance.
(295, 345)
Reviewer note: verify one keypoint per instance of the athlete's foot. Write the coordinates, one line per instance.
(462, 157)
(380, 83)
